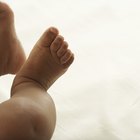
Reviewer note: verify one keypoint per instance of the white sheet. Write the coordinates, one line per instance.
(99, 97)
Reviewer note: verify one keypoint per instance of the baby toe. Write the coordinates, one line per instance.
(66, 57)
(62, 50)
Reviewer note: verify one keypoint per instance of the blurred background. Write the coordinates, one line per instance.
(99, 97)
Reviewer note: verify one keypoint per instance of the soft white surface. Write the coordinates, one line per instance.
(99, 97)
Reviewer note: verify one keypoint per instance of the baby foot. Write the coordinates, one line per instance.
(49, 59)
(12, 55)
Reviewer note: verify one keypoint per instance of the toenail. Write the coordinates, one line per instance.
(58, 41)
(60, 53)
(61, 37)
(64, 58)
(53, 30)
(63, 61)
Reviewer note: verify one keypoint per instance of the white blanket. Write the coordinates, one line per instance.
(99, 97)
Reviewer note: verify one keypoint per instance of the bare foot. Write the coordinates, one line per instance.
(49, 59)
(12, 55)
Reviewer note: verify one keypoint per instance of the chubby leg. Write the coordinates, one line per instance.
(12, 55)
(30, 112)
(30, 105)
(28, 117)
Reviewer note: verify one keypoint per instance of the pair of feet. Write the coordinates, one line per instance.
(49, 59)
